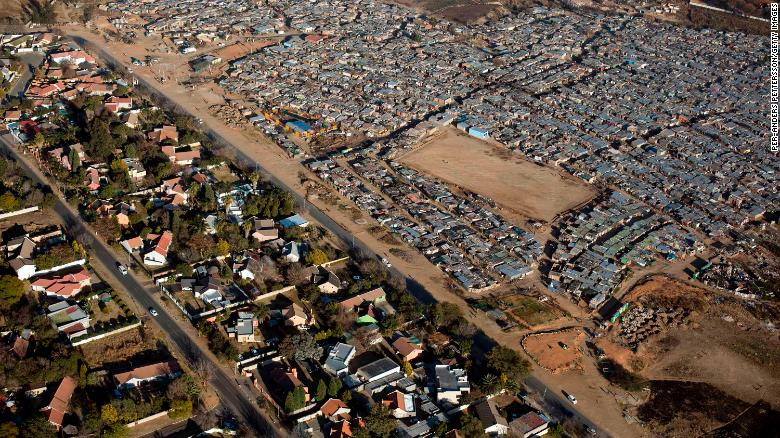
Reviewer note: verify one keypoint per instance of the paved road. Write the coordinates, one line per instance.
(558, 406)
(32, 60)
(241, 403)
(348, 239)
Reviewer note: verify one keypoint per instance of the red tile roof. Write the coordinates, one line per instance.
(61, 400)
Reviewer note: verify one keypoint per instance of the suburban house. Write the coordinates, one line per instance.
(292, 251)
(58, 406)
(22, 343)
(374, 296)
(407, 349)
(338, 359)
(287, 380)
(134, 168)
(62, 286)
(451, 384)
(115, 104)
(296, 316)
(401, 405)
(244, 329)
(335, 410)
(492, 421)
(166, 132)
(295, 220)
(327, 282)
(182, 155)
(74, 57)
(133, 244)
(530, 425)
(263, 230)
(20, 255)
(69, 319)
(157, 371)
(378, 374)
(158, 254)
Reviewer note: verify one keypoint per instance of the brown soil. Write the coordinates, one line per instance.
(547, 351)
(483, 167)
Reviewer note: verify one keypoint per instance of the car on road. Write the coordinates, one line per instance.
(122, 268)
(386, 262)
(563, 345)
(590, 430)
(572, 399)
(153, 312)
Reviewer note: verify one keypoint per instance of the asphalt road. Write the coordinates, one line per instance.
(240, 402)
(32, 60)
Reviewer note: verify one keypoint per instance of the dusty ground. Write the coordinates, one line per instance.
(547, 351)
(723, 353)
(484, 167)
(117, 348)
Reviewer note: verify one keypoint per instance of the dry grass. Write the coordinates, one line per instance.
(534, 191)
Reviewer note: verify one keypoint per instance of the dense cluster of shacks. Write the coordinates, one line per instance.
(457, 233)
(672, 116)
(597, 244)
(640, 322)
(194, 21)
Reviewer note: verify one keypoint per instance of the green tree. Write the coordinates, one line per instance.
(8, 202)
(379, 422)
(408, 370)
(109, 414)
(322, 390)
(37, 426)
(556, 431)
(470, 426)
(334, 386)
(316, 257)
(300, 346)
(508, 363)
(101, 143)
(180, 409)
(11, 290)
(9, 430)
(296, 399)
(223, 248)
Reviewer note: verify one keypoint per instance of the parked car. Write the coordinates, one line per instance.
(386, 262)
(153, 312)
(122, 268)
(572, 399)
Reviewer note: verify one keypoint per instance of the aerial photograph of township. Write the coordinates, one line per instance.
(389, 218)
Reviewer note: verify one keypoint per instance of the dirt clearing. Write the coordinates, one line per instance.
(558, 351)
(534, 191)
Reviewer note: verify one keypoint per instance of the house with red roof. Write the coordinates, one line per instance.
(168, 369)
(62, 286)
(158, 254)
(335, 410)
(73, 57)
(408, 350)
(115, 104)
(166, 132)
(58, 406)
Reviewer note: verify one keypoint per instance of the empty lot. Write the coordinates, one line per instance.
(534, 191)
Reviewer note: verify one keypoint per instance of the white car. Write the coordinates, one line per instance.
(386, 262)
(572, 399)
(153, 312)
(122, 269)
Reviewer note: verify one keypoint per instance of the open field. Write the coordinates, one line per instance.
(548, 349)
(534, 191)
(722, 351)
(530, 311)
(119, 347)
(237, 50)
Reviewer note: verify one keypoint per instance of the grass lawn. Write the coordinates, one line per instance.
(532, 311)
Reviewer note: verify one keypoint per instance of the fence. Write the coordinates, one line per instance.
(18, 212)
(83, 341)
(147, 419)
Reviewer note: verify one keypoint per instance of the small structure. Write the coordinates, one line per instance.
(338, 359)
(59, 404)
(157, 371)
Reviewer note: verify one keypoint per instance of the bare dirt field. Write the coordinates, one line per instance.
(237, 50)
(534, 191)
(722, 352)
(558, 352)
(118, 348)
